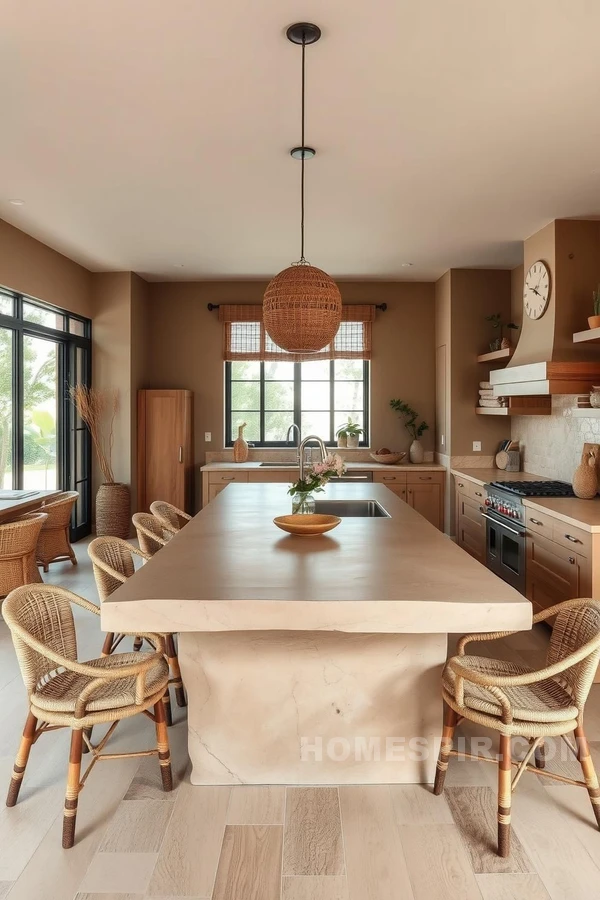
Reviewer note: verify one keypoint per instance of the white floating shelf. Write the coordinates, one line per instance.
(496, 355)
(589, 336)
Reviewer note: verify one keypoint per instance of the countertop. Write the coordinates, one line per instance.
(232, 569)
(584, 514)
(363, 466)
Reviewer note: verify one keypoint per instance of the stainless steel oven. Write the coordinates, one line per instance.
(505, 550)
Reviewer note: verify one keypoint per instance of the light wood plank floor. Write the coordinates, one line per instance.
(374, 842)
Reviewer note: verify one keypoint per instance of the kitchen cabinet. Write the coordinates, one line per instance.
(425, 499)
(395, 481)
(165, 450)
(424, 491)
(554, 573)
(470, 524)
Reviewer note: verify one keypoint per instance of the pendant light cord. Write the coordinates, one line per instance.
(302, 260)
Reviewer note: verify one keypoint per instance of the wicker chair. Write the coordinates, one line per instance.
(515, 700)
(18, 542)
(150, 533)
(64, 693)
(171, 518)
(113, 563)
(53, 543)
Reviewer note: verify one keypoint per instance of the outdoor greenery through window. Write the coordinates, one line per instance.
(43, 350)
(319, 396)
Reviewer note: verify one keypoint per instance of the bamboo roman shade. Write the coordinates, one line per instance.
(245, 337)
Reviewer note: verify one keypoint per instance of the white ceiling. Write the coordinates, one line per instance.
(147, 135)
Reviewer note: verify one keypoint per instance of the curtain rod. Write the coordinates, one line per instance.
(211, 306)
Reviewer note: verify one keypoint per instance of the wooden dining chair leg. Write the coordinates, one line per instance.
(504, 795)
(450, 720)
(137, 643)
(162, 744)
(589, 772)
(108, 642)
(21, 760)
(73, 788)
(175, 670)
(167, 706)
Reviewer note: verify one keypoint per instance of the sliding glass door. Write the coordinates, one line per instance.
(44, 351)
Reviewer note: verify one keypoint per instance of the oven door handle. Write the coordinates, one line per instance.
(503, 525)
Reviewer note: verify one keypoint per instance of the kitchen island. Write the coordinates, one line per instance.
(312, 660)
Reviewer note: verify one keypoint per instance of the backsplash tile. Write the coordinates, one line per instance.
(551, 445)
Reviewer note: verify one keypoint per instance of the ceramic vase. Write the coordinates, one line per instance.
(585, 479)
(240, 446)
(352, 441)
(416, 454)
(594, 321)
(342, 441)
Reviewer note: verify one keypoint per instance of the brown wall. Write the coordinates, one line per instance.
(185, 346)
(140, 366)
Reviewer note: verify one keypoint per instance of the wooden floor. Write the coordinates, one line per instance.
(245, 843)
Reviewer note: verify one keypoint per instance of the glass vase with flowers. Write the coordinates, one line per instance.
(314, 481)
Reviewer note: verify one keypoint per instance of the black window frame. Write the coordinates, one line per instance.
(295, 417)
(67, 343)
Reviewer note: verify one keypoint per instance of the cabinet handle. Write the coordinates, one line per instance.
(388, 478)
(573, 540)
(537, 522)
(227, 477)
(460, 484)
(572, 560)
(181, 454)
(424, 477)
(478, 494)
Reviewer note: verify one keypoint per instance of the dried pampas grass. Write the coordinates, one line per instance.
(98, 410)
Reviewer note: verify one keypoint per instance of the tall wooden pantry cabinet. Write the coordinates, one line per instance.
(165, 445)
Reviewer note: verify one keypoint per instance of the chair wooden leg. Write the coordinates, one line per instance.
(589, 772)
(504, 795)
(450, 720)
(137, 643)
(162, 744)
(539, 754)
(167, 706)
(108, 642)
(21, 760)
(73, 788)
(175, 670)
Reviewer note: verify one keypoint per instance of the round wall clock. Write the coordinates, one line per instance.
(536, 291)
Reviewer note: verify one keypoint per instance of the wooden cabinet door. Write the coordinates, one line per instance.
(165, 449)
(426, 499)
(554, 573)
(214, 489)
(398, 489)
(470, 527)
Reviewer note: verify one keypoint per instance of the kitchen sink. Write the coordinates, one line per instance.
(352, 509)
(272, 465)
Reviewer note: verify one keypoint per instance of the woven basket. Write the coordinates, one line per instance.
(302, 309)
(113, 510)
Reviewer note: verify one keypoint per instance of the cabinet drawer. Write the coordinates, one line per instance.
(227, 477)
(473, 512)
(425, 477)
(466, 488)
(389, 477)
(573, 539)
(280, 476)
(539, 523)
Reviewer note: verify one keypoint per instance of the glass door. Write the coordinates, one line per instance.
(42, 365)
(6, 407)
(80, 461)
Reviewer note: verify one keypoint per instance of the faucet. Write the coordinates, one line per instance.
(311, 437)
(298, 438)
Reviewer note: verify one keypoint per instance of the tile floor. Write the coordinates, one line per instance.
(375, 842)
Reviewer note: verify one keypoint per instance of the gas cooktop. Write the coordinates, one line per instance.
(535, 488)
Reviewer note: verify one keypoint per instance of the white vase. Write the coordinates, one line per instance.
(352, 441)
(416, 454)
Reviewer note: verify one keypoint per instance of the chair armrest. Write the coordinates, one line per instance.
(483, 636)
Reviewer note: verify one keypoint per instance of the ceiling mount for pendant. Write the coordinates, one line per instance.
(303, 152)
(303, 33)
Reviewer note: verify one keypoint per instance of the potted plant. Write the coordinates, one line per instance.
(500, 343)
(348, 435)
(113, 505)
(594, 321)
(315, 479)
(416, 454)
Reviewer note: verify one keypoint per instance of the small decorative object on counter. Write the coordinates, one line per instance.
(594, 321)
(585, 479)
(416, 454)
(595, 396)
(240, 446)
(315, 479)
(307, 526)
(500, 343)
(348, 435)
(386, 457)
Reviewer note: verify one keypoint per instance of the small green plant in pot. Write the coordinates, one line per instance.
(594, 321)
(348, 435)
(500, 343)
(416, 453)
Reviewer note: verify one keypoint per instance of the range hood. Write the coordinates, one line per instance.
(546, 360)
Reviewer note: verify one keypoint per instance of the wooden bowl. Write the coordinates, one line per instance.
(307, 525)
(388, 459)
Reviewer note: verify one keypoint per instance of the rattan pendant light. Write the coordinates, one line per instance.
(302, 305)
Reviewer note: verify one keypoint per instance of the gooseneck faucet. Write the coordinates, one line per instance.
(298, 438)
(310, 437)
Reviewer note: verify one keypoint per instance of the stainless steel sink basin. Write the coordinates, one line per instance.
(352, 509)
(272, 465)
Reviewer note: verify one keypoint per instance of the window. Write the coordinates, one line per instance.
(43, 351)
(318, 396)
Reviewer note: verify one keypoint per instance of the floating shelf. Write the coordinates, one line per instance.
(519, 406)
(590, 336)
(495, 355)
(587, 412)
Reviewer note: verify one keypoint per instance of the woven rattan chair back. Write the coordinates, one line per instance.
(44, 614)
(150, 532)
(18, 542)
(53, 542)
(59, 510)
(169, 516)
(575, 626)
(111, 557)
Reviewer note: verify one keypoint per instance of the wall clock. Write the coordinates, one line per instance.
(536, 291)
